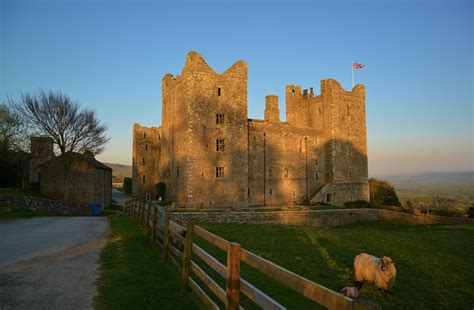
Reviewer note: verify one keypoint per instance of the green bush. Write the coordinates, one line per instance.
(382, 193)
(356, 204)
(127, 185)
(160, 189)
(471, 212)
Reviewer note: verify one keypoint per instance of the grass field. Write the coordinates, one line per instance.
(133, 275)
(435, 264)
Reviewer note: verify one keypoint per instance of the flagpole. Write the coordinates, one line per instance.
(352, 65)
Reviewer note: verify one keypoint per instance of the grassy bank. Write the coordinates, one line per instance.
(133, 275)
(434, 263)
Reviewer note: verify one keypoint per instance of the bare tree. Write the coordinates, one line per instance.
(73, 129)
(12, 129)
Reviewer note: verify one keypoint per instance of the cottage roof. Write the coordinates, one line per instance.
(88, 159)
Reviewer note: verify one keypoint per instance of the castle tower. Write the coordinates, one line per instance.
(204, 146)
(272, 113)
(41, 149)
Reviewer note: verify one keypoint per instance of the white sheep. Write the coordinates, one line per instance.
(371, 269)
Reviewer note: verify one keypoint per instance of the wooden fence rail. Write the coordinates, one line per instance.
(176, 239)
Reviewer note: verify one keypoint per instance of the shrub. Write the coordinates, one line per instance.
(382, 193)
(160, 189)
(471, 212)
(127, 185)
(356, 204)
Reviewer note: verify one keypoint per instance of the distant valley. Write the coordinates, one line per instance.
(423, 186)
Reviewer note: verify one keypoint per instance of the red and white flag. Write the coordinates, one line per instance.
(357, 66)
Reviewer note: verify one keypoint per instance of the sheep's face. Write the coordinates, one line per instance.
(385, 262)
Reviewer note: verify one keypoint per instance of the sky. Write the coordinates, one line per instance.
(111, 56)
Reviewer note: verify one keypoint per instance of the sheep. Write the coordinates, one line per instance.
(371, 269)
(177, 230)
(351, 292)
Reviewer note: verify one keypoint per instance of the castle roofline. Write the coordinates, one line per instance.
(195, 62)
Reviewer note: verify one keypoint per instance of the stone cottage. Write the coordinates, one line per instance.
(84, 178)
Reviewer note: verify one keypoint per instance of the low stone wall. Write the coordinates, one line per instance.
(326, 218)
(27, 203)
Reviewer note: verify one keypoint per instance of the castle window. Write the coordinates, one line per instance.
(202, 175)
(218, 91)
(271, 191)
(349, 175)
(292, 93)
(220, 119)
(144, 135)
(219, 172)
(248, 191)
(319, 111)
(146, 147)
(144, 179)
(143, 160)
(316, 177)
(316, 161)
(328, 198)
(293, 194)
(286, 172)
(220, 145)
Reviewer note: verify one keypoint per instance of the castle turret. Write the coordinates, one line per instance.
(272, 113)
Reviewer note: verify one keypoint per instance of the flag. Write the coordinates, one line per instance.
(357, 66)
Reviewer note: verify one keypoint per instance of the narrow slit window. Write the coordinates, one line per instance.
(316, 161)
(143, 160)
(271, 191)
(219, 91)
(316, 177)
(292, 92)
(144, 135)
(146, 147)
(144, 179)
(286, 172)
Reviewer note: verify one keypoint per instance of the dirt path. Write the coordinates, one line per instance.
(47, 276)
(120, 197)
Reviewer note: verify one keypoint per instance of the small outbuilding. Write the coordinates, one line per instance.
(72, 177)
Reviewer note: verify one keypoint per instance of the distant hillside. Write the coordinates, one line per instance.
(423, 186)
(120, 171)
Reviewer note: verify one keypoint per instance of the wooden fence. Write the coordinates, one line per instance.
(176, 239)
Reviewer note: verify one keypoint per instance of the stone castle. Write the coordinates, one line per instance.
(209, 153)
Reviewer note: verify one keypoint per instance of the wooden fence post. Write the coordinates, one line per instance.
(142, 213)
(166, 235)
(233, 276)
(188, 249)
(153, 228)
(148, 215)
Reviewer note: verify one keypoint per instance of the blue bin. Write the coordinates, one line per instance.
(95, 208)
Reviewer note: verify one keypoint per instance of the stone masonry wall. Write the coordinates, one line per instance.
(328, 218)
(145, 160)
(26, 203)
